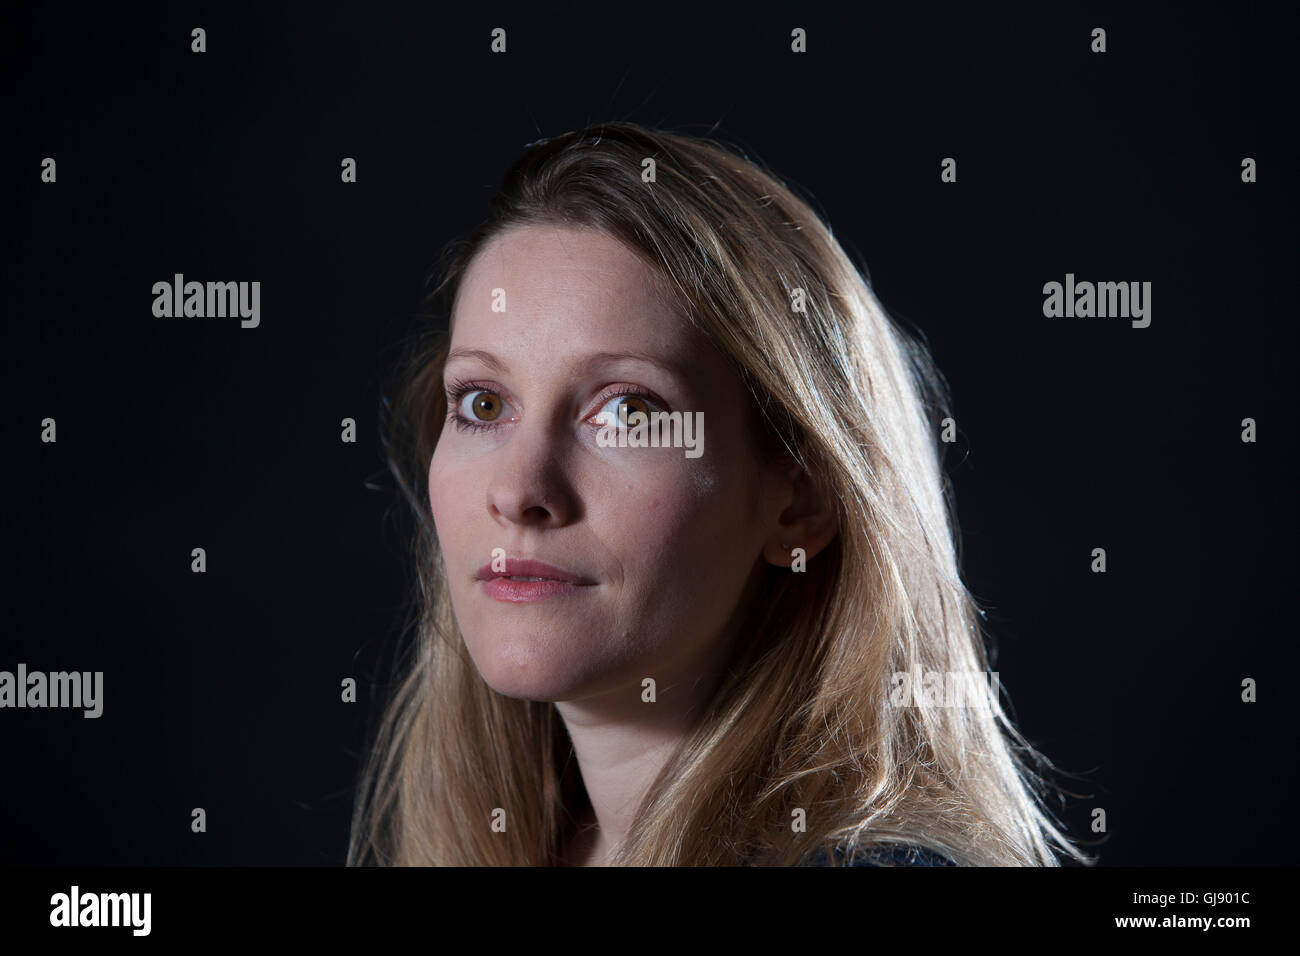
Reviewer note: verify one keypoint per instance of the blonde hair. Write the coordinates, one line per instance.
(802, 718)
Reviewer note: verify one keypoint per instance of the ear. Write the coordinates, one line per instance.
(807, 520)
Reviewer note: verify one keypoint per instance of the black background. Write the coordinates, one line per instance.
(222, 690)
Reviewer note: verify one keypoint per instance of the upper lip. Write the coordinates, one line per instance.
(530, 568)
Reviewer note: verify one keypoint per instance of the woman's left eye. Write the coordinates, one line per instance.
(620, 410)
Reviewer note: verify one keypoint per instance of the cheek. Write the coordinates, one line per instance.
(445, 489)
(676, 520)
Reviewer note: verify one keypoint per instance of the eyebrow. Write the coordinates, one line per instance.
(487, 358)
(497, 365)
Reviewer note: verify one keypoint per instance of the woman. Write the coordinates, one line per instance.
(685, 556)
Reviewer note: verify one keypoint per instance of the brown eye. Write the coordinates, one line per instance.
(484, 406)
(629, 406)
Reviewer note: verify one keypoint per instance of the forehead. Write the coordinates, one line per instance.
(539, 282)
(577, 296)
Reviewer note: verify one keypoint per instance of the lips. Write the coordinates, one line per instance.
(525, 580)
(529, 568)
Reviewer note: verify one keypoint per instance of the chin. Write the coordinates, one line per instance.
(528, 670)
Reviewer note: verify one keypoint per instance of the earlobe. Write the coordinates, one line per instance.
(802, 547)
(808, 524)
(781, 554)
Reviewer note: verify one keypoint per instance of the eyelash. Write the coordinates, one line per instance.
(457, 390)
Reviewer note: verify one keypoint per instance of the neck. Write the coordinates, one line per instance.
(619, 757)
(622, 741)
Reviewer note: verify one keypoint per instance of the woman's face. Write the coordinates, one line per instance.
(552, 326)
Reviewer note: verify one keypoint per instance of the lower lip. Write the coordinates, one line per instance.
(521, 592)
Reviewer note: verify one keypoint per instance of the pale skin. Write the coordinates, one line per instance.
(674, 546)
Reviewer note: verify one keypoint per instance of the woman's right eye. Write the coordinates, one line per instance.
(473, 407)
(480, 405)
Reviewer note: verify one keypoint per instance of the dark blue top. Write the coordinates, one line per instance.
(885, 856)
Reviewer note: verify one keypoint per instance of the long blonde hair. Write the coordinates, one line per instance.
(803, 718)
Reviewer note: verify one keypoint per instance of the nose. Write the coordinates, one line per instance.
(528, 486)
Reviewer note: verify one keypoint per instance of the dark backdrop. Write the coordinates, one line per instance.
(222, 690)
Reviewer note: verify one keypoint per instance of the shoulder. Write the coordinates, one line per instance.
(896, 855)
